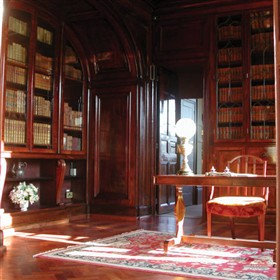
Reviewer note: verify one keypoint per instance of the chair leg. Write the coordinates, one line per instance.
(209, 224)
(231, 219)
(261, 226)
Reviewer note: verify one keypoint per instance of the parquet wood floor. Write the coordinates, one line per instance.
(18, 262)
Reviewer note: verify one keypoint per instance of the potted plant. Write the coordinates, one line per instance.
(23, 194)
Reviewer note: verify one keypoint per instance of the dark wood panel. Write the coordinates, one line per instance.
(113, 145)
(182, 40)
(183, 35)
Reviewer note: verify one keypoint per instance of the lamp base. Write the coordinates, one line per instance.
(185, 172)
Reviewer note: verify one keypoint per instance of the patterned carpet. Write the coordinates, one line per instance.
(143, 250)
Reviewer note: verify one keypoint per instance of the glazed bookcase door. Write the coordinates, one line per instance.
(16, 88)
(262, 93)
(73, 103)
(29, 114)
(43, 94)
(245, 99)
(229, 78)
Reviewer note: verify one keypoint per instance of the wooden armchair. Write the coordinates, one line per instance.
(242, 202)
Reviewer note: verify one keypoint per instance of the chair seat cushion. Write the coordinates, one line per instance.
(237, 206)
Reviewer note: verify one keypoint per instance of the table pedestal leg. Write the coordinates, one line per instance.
(180, 215)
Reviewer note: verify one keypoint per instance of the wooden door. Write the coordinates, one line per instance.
(167, 148)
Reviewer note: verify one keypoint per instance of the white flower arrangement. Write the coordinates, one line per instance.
(24, 192)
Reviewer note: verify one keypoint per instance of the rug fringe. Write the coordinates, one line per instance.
(93, 241)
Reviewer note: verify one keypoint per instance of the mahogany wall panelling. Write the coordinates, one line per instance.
(106, 46)
(180, 40)
(114, 180)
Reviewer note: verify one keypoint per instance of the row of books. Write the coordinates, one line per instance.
(263, 113)
(265, 71)
(15, 101)
(262, 41)
(225, 133)
(71, 143)
(260, 20)
(43, 82)
(70, 56)
(16, 52)
(229, 32)
(73, 72)
(257, 133)
(16, 75)
(44, 35)
(71, 117)
(265, 92)
(17, 26)
(41, 134)
(263, 132)
(229, 55)
(42, 106)
(14, 131)
(44, 62)
(232, 115)
(230, 74)
(230, 95)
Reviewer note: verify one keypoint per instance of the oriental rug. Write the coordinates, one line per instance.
(143, 250)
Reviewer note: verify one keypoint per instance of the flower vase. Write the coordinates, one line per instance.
(24, 205)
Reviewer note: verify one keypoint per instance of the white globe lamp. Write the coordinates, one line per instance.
(185, 129)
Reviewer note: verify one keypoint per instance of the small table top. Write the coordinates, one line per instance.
(217, 180)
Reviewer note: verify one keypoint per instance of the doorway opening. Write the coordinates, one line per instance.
(183, 88)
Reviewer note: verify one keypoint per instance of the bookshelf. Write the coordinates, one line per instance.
(16, 91)
(262, 100)
(73, 102)
(43, 86)
(29, 93)
(43, 111)
(245, 77)
(229, 84)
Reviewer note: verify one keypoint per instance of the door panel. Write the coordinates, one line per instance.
(168, 140)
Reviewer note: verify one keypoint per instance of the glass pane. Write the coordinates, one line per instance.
(262, 94)
(229, 79)
(73, 102)
(43, 84)
(15, 125)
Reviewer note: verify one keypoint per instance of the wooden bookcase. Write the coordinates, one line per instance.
(30, 120)
(44, 109)
(243, 90)
(245, 105)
